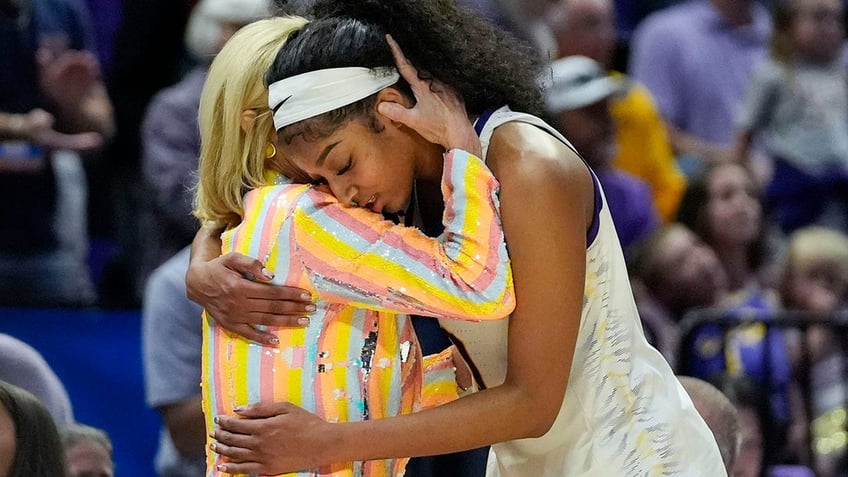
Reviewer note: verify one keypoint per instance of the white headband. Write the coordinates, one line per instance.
(309, 94)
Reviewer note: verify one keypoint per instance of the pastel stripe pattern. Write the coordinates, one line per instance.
(359, 357)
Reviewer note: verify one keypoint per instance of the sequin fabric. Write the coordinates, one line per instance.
(359, 358)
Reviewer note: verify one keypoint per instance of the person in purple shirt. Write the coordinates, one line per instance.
(576, 99)
(696, 59)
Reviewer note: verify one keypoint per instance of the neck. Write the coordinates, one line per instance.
(735, 263)
(735, 12)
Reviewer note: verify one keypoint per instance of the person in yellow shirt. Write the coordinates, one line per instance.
(587, 27)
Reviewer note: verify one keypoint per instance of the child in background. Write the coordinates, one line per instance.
(797, 106)
(815, 279)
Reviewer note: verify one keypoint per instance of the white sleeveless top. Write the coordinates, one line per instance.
(624, 412)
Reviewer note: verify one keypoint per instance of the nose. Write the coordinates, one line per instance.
(345, 192)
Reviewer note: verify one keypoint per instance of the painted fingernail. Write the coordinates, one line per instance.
(310, 307)
(212, 447)
(303, 321)
(238, 408)
(221, 467)
(217, 419)
(267, 274)
(274, 341)
(305, 296)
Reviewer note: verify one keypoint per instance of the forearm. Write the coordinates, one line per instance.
(206, 245)
(487, 417)
(465, 274)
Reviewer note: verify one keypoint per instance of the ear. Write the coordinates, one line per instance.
(396, 99)
(248, 117)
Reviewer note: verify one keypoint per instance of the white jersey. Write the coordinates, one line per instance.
(624, 413)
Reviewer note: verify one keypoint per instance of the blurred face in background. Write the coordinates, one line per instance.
(734, 211)
(584, 27)
(817, 30)
(591, 130)
(692, 274)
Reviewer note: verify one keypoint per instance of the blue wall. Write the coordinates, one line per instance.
(97, 355)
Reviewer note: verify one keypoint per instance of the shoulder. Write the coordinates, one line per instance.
(528, 160)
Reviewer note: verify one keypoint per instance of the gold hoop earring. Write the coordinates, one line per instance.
(270, 150)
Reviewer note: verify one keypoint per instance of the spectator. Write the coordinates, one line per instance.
(171, 343)
(674, 271)
(696, 58)
(88, 451)
(815, 280)
(29, 441)
(53, 105)
(797, 104)
(23, 366)
(577, 99)
(723, 206)
(587, 27)
(170, 135)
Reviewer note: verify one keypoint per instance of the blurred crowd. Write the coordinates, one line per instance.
(717, 128)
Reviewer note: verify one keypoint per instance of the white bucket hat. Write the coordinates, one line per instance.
(573, 82)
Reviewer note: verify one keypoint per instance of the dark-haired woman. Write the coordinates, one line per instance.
(577, 374)
(29, 441)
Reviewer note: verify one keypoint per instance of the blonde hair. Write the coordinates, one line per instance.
(233, 161)
(812, 244)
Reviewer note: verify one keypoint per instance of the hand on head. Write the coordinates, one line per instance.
(438, 115)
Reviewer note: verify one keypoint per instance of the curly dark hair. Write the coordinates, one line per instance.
(489, 68)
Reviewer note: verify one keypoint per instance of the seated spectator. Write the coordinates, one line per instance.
(815, 279)
(29, 440)
(170, 135)
(23, 366)
(577, 98)
(674, 271)
(723, 206)
(88, 451)
(171, 343)
(587, 27)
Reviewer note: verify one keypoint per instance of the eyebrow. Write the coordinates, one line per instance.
(323, 156)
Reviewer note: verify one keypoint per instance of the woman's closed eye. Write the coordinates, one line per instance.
(346, 167)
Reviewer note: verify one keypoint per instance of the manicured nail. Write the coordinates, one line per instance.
(274, 341)
(310, 307)
(305, 296)
(221, 467)
(238, 409)
(303, 321)
(267, 274)
(217, 419)
(212, 447)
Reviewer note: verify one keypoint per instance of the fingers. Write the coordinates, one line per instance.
(251, 333)
(247, 266)
(405, 68)
(396, 112)
(252, 468)
(265, 409)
